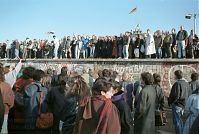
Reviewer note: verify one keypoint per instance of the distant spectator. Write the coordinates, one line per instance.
(127, 85)
(181, 45)
(150, 45)
(195, 82)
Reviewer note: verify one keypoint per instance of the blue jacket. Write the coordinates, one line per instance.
(85, 42)
(32, 101)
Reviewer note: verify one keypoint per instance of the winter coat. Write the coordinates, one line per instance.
(180, 92)
(145, 111)
(150, 45)
(98, 115)
(126, 118)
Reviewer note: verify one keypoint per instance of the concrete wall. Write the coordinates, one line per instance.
(134, 67)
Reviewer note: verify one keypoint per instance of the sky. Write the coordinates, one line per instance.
(34, 18)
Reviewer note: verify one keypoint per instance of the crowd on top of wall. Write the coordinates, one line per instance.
(147, 45)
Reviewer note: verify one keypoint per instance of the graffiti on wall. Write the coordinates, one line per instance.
(166, 70)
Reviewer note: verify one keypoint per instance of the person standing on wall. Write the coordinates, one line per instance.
(181, 44)
(150, 45)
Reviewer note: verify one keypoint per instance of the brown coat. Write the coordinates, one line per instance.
(8, 96)
(89, 116)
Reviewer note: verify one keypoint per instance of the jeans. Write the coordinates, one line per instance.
(84, 53)
(77, 52)
(181, 49)
(55, 52)
(120, 47)
(159, 53)
(92, 51)
(177, 119)
(126, 51)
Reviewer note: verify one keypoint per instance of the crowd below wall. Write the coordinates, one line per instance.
(74, 98)
(128, 46)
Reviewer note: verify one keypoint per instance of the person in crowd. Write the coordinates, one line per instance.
(16, 115)
(126, 43)
(92, 46)
(86, 76)
(11, 75)
(35, 95)
(126, 118)
(56, 47)
(150, 45)
(84, 47)
(114, 50)
(180, 92)
(25, 79)
(78, 47)
(73, 46)
(61, 49)
(106, 74)
(138, 86)
(97, 114)
(159, 92)
(196, 46)
(181, 45)
(158, 44)
(137, 47)
(194, 128)
(190, 46)
(167, 42)
(127, 85)
(173, 46)
(68, 47)
(8, 99)
(8, 49)
(191, 110)
(2, 111)
(194, 83)
(142, 46)
(62, 76)
(159, 95)
(76, 91)
(120, 46)
(145, 111)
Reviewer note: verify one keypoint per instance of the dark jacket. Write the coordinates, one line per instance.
(56, 102)
(128, 89)
(180, 92)
(145, 111)
(68, 113)
(184, 35)
(194, 85)
(159, 97)
(126, 118)
(2, 110)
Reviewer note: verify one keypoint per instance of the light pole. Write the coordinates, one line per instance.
(194, 16)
